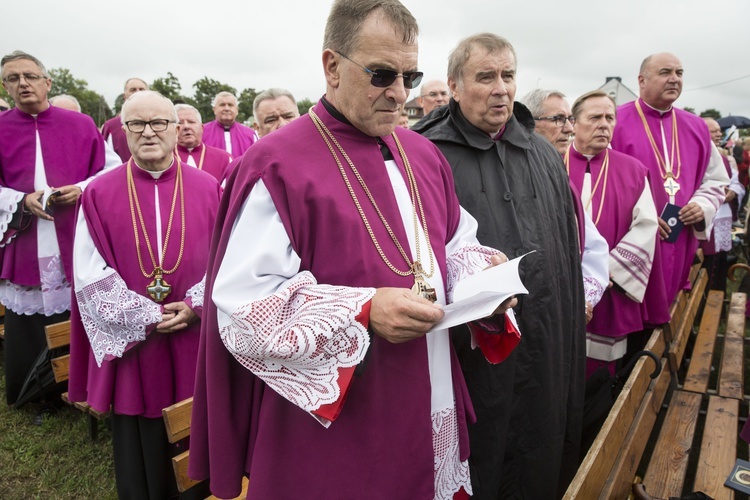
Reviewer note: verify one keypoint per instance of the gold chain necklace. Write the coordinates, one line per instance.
(203, 155)
(671, 186)
(158, 289)
(603, 172)
(421, 287)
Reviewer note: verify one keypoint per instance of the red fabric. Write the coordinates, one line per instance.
(496, 346)
(743, 167)
(332, 410)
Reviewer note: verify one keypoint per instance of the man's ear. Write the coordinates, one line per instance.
(332, 68)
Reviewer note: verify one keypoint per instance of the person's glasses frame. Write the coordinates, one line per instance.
(385, 77)
(435, 95)
(558, 120)
(158, 125)
(30, 78)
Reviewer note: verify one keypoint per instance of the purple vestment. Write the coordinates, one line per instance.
(616, 314)
(694, 153)
(215, 160)
(73, 151)
(380, 446)
(160, 370)
(113, 128)
(242, 137)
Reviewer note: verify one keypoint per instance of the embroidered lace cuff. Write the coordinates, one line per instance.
(451, 474)
(9, 204)
(593, 291)
(113, 316)
(296, 339)
(465, 262)
(196, 293)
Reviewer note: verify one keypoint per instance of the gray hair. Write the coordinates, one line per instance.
(534, 100)
(140, 95)
(460, 55)
(273, 93)
(181, 106)
(135, 78)
(347, 16)
(588, 95)
(68, 97)
(19, 54)
(223, 93)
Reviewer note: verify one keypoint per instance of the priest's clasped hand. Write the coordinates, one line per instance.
(176, 316)
(691, 213)
(399, 315)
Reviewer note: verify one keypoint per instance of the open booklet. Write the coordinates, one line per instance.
(477, 296)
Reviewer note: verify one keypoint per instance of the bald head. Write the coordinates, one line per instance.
(433, 94)
(65, 101)
(133, 85)
(660, 80)
(715, 130)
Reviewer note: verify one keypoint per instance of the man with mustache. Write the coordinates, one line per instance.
(192, 150)
(529, 408)
(685, 170)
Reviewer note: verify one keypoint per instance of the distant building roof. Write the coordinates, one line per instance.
(413, 109)
(618, 91)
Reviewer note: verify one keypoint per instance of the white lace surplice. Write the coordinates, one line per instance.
(293, 333)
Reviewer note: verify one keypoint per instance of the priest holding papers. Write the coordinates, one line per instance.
(316, 376)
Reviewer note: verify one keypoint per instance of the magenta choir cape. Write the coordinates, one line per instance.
(694, 153)
(215, 161)
(73, 151)
(619, 190)
(160, 370)
(381, 443)
(113, 128)
(242, 137)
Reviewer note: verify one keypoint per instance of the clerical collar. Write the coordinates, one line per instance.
(227, 128)
(588, 157)
(155, 175)
(497, 136)
(335, 113)
(660, 111)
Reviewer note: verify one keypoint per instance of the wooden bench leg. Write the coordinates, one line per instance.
(93, 427)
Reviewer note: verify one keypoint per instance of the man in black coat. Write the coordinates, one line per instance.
(525, 443)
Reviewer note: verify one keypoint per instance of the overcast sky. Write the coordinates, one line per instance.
(571, 46)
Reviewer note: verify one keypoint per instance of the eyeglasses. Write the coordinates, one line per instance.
(558, 120)
(386, 77)
(435, 95)
(29, 77)
(138, 126)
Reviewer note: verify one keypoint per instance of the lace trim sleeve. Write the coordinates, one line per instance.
(114, 317)
(10, 203)
(196, 293)
(466, 261)
(296, 339)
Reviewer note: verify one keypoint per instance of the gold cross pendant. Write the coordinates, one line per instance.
(158, 289)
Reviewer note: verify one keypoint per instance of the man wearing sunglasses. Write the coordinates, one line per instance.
(38, 194)
(513, 181)
(336, 229)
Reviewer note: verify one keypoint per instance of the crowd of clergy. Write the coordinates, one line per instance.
(292, 280)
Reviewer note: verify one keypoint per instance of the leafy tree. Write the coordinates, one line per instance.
(689, 109)
(205, 90)
(711, 113)
(168, 86)
(92, 103)
(245, 104)
(304, 106)
(5, 96)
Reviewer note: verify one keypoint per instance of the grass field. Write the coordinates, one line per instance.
(55, 459)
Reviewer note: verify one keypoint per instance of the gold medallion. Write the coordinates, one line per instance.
(158, 289)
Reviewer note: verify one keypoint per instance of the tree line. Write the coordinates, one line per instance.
(94, 104)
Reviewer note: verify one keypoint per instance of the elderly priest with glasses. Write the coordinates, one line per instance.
(317, 376)
(46, 156)
(141, 247)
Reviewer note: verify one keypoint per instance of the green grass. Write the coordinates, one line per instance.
(55, 459)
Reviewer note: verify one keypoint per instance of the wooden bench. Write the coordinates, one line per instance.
(58, 335)
(177, 422)
(679, 461)
(2, 325)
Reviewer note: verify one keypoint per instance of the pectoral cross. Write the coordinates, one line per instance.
(670, 185)
(158, 289)
(421, 287)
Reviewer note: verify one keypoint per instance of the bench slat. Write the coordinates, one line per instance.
(731, 371)
(177, 420)
(58, 334)
(668, 464)
(700, 362)
(180, 465)
(688, 319)
(60, 368)
(718, 449)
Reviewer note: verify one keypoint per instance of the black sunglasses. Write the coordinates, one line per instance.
(386, 77)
